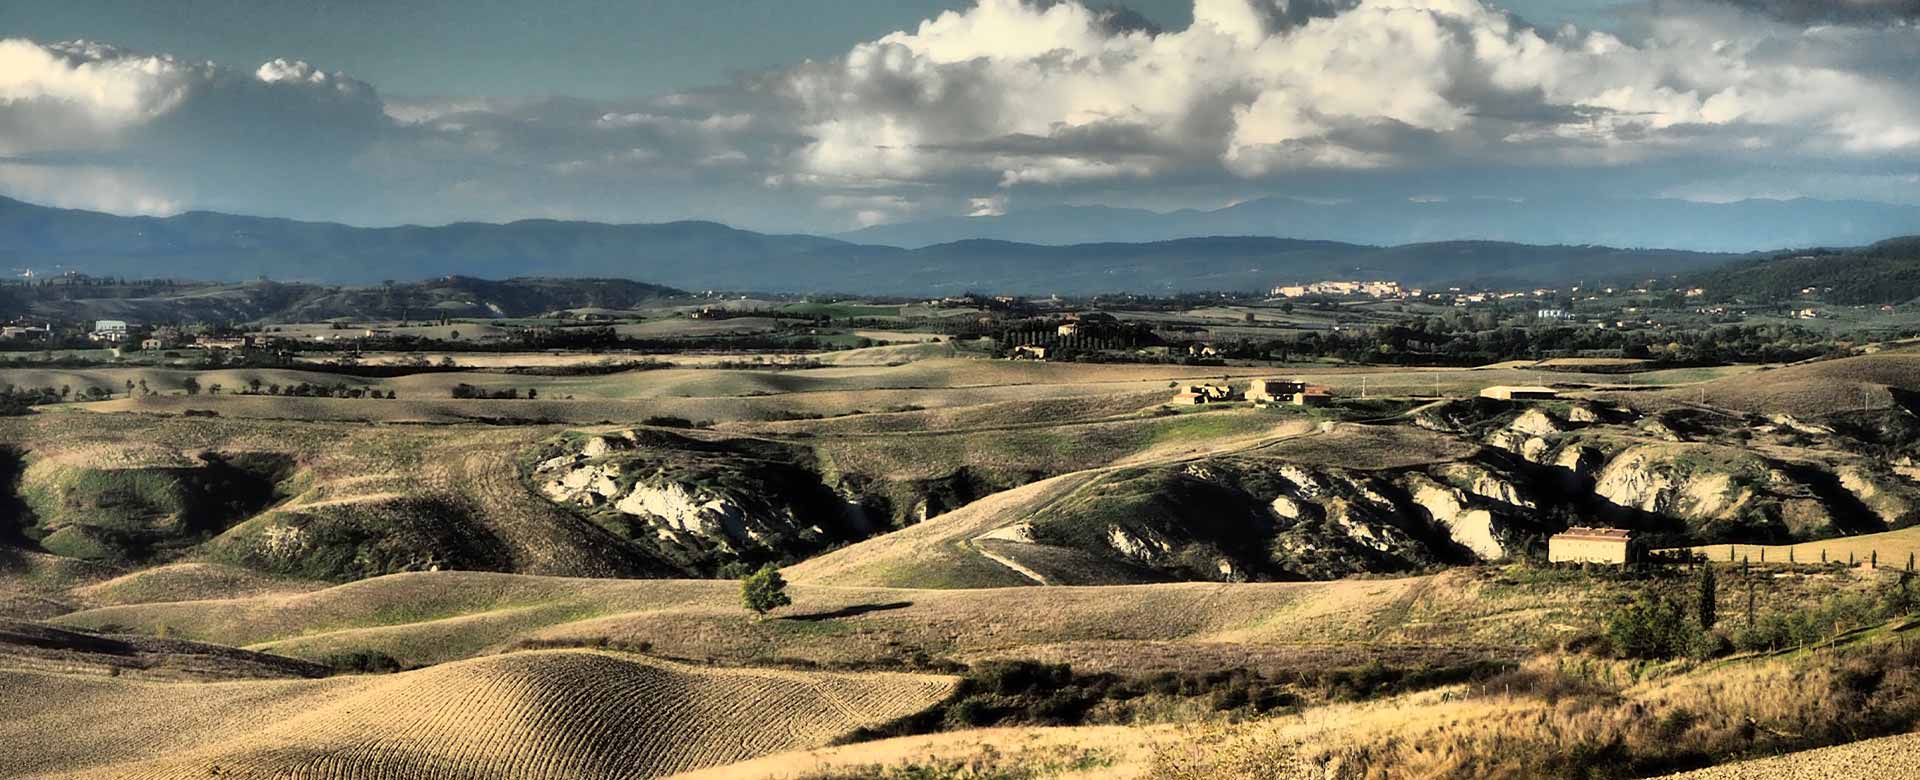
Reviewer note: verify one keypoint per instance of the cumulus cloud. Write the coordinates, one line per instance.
(1031, 100)
(1048, 93)
(92, 125)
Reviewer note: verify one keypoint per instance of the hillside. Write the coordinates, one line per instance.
(555, 714)
(1886, 272)
(701, 255)
(1735, 226)
(213, 246)
(266, 301)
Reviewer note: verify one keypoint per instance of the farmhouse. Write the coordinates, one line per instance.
(1194, 395)
(1028, 352)
(1270, 390)
(1581, 544)
(1520, 393)
(1215, 393)
(25, 332)
(1068, 328)
(1313, 395)
(218, 342)
(109, 330)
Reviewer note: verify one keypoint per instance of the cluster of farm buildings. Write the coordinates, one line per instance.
(1262, 392)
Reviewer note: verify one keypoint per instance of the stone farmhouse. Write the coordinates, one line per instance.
(1274, 390)
(1581, 544)
(1195, 395)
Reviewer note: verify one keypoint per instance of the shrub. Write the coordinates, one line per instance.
(764, 591)
(1651, 627)
(362, 662)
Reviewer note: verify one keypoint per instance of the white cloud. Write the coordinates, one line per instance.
(1051, 100)
(1045, 93)
(93, 187)
(989, 206)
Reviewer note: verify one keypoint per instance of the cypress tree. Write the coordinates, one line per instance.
(1708, 608)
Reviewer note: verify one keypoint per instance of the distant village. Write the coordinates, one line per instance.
(128, 337)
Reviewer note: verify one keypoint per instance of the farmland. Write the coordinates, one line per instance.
(525, 564)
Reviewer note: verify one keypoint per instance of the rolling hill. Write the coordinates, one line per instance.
(552, 714)
(1735, 226)
(268, 301)
(1886, 272)
(704, 255)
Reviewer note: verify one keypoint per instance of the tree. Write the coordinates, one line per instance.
(191, 385)
(764, 591)
(1706, 609)
(1650, 627)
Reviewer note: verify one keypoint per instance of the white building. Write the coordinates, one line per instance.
(1374, 289)
(109, 330)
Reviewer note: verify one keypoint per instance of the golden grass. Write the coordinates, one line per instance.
(1894, 549)
(1573, 717)
(1811, 389)
(189, 582)
(548, 714)
(435, 617)
(1885, 757)
(1120, 752)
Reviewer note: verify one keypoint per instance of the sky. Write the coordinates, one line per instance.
(821, 116)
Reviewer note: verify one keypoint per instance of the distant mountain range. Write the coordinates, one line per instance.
(1745, 225)
(706, 255)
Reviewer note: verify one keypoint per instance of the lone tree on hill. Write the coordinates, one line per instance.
(764, 591)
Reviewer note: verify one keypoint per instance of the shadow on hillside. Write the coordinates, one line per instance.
(852, 611)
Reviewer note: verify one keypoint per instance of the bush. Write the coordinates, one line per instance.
(1652, 627)
(362, 662)
(660, 421)
(764, 591)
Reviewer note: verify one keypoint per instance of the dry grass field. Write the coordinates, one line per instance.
(437, 617)
(1053, 753)
(195, 592)
(1811, 389)
(543, 714)
(1889, 550)
(1886, 757)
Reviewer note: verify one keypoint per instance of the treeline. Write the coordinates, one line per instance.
(464, 390)
(1687, 622)
(1887, 272)
(581, 338)
(1433, 341)
(308, 390)
(16, 401)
